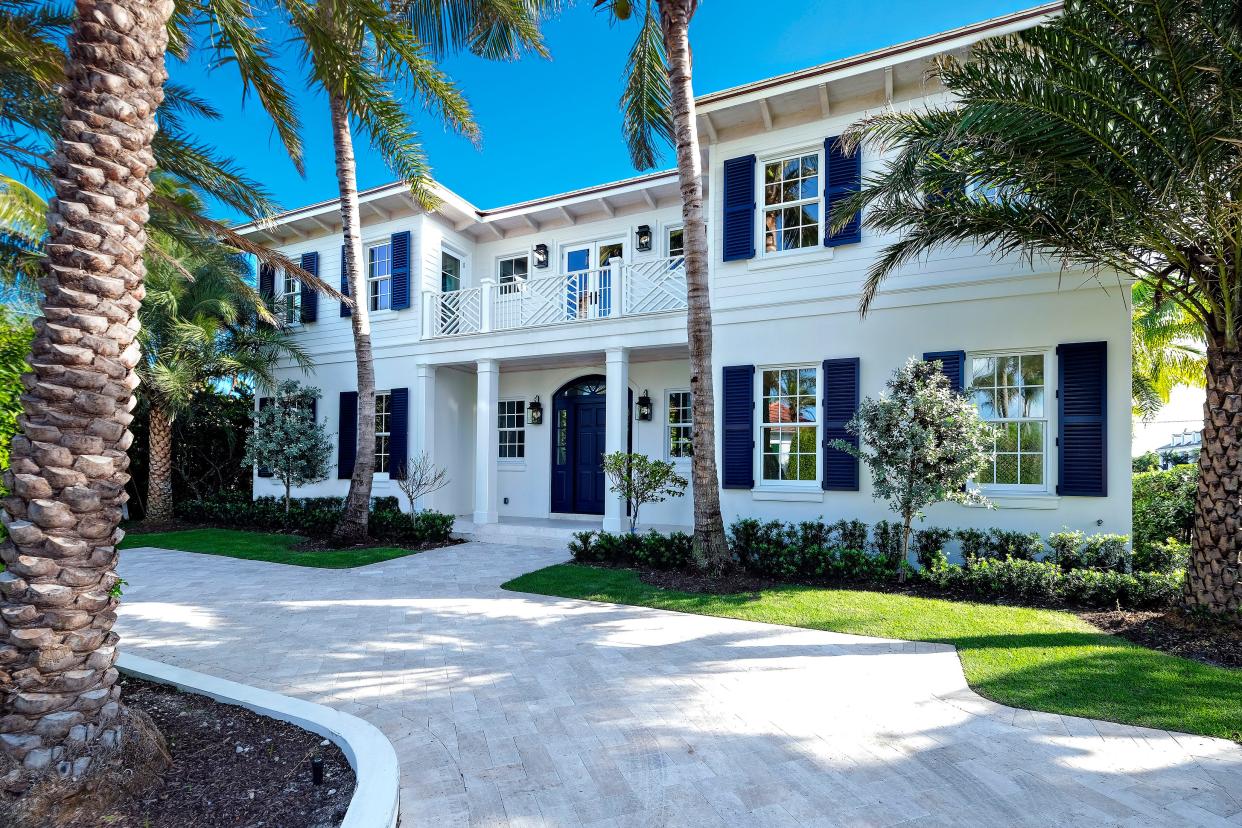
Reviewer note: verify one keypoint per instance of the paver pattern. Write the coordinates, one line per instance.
(511, 709)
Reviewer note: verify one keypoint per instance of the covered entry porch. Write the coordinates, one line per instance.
(523, 439)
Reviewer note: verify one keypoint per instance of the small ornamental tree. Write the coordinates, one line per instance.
(288, 441)
(639, 479)
(922, 442)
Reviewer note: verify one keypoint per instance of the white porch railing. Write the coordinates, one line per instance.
(655, 286)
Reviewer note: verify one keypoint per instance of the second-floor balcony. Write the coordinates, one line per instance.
(610, 292)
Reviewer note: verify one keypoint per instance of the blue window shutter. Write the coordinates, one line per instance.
(267, 283)
(739, 208)
(401, 270)
(310, 296)
(398, 430)
(842, 178)
(738, 439)
(345, 309)
(1082, 419)
(264, 402)
(347, 435)
(953, 366)
(841, 394)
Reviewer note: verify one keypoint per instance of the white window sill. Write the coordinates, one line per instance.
(788, 494)
(773, 261)
(1022, 500)
(511, 465)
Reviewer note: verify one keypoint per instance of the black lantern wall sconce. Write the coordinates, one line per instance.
(644, 407)
(643, 238)
(541, 255)
(534, 412)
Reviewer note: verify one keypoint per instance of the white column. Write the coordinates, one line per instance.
(615, 437)
(425, 423)
(426, 315)
(487, 293)
(487, 442)
(617, 304)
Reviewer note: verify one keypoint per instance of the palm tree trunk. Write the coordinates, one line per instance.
(60, 705)
(353, 525)
(1214, 577)
(709, 536)
(159, 478)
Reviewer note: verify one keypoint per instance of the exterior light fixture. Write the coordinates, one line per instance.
(643, 237)
(534, 412)
(644, 406)
(541, 255)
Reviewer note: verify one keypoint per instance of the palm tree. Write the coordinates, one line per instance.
(1165, 351)
(202, 324)
(63, 729)
(658, 102)
(1107, 139)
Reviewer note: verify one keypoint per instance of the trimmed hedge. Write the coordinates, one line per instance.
(317, 517)
(1045, 582)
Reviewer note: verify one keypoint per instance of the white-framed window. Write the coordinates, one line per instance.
(450, 271)
(512, 273)
(674, 241)
(1010, 390)
(291, 298)
(511, 422)
(383, 430)
(789, 424)
(379, 275)
(791, 202)
(680, 432)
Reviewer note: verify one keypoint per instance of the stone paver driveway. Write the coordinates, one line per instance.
(509, 709)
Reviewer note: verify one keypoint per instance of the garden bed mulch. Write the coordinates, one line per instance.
(329, 545)
(1172, 632)
(232, 768)
(1168, 631)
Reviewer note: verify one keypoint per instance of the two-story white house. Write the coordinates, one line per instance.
(516, 345)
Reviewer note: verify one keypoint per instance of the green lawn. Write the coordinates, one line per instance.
(259, 546)
(1029, 658)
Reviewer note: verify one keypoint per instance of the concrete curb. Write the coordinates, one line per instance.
(378, 791)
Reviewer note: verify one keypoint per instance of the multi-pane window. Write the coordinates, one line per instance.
(679, 426)
(511, 421)
(513, 273)
(291, 299)
(675, 244)
(791, 196)
(379, 275)
(790, 424)
(383, 432)
(450, 272)
(1010, 392)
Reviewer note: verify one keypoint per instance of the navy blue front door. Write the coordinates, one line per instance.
(588, 417)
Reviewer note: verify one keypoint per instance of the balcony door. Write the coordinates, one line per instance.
(588, 283)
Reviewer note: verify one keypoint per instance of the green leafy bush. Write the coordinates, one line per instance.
(886, 540)
(1106, 553)
(316, 517)
(657, 551)
(1044, 582)
(975, 544)
(652, 550)
(929, 546)
(1022, 546)
(849, 534)
(1169, 556)
(1164, 506)
(1066, 548)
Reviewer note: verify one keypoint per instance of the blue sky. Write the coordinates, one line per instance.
(551, 126)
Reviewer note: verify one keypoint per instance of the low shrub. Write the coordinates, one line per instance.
(886, 541)
(1168, 556)
(1022, 546)
(849, 534)
(1066, 546)
(317, 517)
(652, 550)
(1109, 553)
(1045, 582)
(657, 551)
(929, 546)
(975, 544)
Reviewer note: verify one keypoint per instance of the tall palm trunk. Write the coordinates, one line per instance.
(709, 536)
(60, 705)
(354, 521)
(159, 475)
(1214, 577)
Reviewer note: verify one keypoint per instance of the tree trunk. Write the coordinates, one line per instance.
(905, 548)
(60, 708)
(353, 525)
(159, 480)
(1214, 576)
(709, 535)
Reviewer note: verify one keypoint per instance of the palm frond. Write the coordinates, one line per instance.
(491, 29)
(647, 101)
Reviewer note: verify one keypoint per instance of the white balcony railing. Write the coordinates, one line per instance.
(610, 292)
